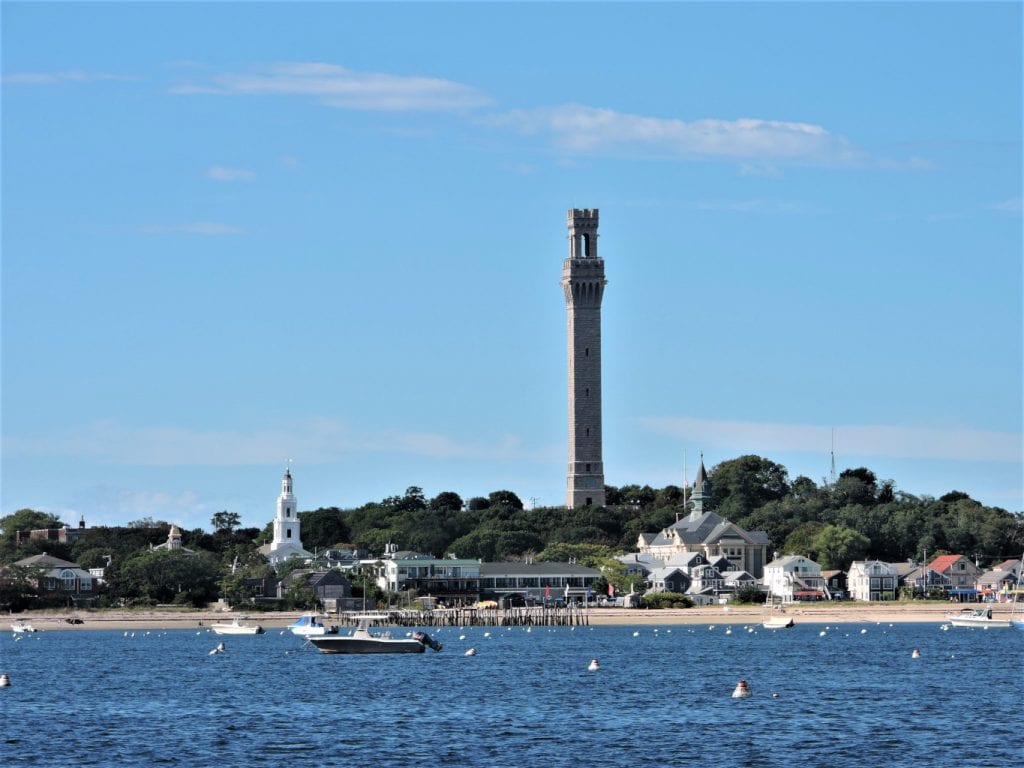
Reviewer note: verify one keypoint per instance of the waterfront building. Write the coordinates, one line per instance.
(583, 284)
(794, 577)
(59, 578)
(872, 580)
(962, 574)
(453, 581)
(539, 582)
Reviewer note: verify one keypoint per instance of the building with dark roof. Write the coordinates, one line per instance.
(708, 533)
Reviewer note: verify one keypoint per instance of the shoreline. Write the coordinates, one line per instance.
(805, 613)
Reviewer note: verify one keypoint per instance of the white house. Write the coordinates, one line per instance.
(872, 580)
(794, 577)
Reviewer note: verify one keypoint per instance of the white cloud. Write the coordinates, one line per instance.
(584, 129)
(312, 441)
(65, 76)
(223, 173)
(338, 86)
(903, 442)
(208, 228)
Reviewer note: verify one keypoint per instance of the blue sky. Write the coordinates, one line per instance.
(236, 235)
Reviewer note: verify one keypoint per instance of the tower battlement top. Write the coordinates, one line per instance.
(582, 213)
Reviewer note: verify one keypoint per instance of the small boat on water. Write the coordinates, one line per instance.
(977, 617)
(309, 625)
(775, 617)
(20, 627)
(361, 640)
(1017, 611)
(236, 627)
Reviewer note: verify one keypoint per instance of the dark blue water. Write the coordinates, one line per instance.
(662, 698)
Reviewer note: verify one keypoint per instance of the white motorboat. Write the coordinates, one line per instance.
(20, 627)
(361, 640)
(977, 617)
(309, 625)
(236, 627)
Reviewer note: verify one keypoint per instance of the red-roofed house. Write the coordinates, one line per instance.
(962, 574)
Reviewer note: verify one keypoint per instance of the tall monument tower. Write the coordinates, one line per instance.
(583, 282)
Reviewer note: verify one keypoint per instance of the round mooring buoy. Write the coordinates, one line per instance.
(741, 691)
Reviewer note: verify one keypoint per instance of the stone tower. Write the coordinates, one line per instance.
(583, 282)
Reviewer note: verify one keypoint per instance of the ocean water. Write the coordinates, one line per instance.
(852, 696)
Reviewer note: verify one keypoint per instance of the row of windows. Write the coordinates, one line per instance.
(522, 582)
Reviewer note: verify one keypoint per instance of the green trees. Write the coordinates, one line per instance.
(167, 576)
(836, 547)
(225, 521)
(741, 485)
(858, 517)
(25, 520)
(323, 528)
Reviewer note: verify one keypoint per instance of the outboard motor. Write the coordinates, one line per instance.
(427, 640)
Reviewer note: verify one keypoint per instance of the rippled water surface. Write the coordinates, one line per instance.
(852, 696)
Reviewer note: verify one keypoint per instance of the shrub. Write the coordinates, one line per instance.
(666, 600)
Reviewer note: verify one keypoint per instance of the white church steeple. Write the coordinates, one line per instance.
(286, 521)
(286, 542)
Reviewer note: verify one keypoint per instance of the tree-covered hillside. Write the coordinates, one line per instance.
(856, 517)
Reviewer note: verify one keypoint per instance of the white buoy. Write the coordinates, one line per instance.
(822, 633)
(863, 631)
(471, 652)
(728, 631)
(741, 691)
(594, 665)
(5, 680)
(462, 637)
(915, 654)
(636, 634)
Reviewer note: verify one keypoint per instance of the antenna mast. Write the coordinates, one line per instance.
(832, 472)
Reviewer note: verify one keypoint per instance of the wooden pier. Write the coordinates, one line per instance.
(534, 616)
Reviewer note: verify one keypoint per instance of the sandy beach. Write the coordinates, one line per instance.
(810, 613)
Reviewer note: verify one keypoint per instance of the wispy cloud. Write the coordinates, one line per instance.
(755, 205)
(64, 76)
(312, 441)
(585, 129)
(338, 86)
(1013, 205)
(206, 228)
(223, 173)
(893, 441)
